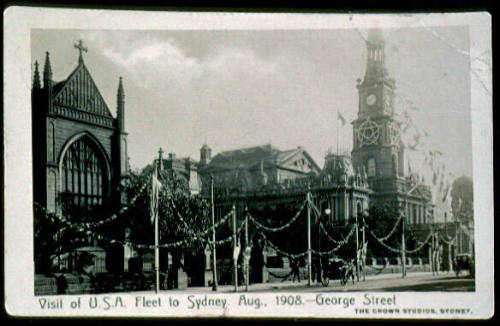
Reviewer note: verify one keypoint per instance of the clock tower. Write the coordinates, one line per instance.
(377, 145)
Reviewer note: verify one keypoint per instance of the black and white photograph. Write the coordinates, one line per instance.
(308, 164)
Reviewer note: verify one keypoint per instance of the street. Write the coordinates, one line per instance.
(418, 281)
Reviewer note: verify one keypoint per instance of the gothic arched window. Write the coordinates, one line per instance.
(83, 178)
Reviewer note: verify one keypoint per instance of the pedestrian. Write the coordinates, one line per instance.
(352, 269)
(61, 283)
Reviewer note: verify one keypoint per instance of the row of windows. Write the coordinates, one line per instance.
(372, 167)
(415, 214)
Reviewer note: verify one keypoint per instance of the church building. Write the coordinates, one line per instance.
(79, 148)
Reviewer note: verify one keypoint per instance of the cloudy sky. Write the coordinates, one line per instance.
(233, 89)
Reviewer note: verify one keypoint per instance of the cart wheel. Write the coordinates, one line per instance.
(325, 280)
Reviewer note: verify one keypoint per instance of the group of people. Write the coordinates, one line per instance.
(347, 270)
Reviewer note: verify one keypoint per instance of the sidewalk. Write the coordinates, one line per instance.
(290, 286)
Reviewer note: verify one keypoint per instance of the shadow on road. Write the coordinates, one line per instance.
(461, 285)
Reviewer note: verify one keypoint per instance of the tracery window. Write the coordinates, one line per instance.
(83, 179)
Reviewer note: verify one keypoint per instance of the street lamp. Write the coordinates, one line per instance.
(327, 212)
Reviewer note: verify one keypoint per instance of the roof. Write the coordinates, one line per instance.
(80, 83)
(253, 157)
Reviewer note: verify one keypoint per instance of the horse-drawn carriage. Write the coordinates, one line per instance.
(335, 268)
(463, 262)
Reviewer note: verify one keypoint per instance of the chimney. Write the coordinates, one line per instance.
(205, 154)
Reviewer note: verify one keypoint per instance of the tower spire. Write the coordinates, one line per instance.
(36, 77)
(47, 71)
(120, 101)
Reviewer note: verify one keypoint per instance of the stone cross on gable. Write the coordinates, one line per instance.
(79, 46)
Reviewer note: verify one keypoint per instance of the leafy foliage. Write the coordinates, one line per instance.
(175, 202)
(462, 199)
(45, 229)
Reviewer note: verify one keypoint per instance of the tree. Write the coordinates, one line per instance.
(182, 216)
(462, 199)
(45, 239)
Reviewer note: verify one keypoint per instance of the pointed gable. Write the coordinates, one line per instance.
(298, 160)
(79, 92)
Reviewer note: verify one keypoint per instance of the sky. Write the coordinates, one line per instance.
(235, 89)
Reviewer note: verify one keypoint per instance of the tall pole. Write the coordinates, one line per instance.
(246, 244)
(432, 254)
(214, 254)
(403, 246)
(403, 241)
(235, 257)
(337, 132)
(357, 247)
(157, 236)
(309, 258)
(363, 257)
(157, 255)
(158, 168)
(319, 267)
(438, 267)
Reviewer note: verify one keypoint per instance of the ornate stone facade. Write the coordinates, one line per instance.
(377, 145)
(79, 149)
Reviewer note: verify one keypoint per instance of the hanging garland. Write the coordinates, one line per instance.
(69, 224)
(383, 244)
(340, 245)
(279, 228)
(284, 253)
(393, 229)
(422, 244)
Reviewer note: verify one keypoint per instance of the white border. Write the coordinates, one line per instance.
(19, 298)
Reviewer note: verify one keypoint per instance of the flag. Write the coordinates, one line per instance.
(341, 118)
(155, 189)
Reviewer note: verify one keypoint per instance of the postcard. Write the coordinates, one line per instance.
(217, 164)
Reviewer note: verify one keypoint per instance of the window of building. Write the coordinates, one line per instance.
(83, 179)
(371, 167)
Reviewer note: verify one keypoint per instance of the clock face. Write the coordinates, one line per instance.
(371, 99)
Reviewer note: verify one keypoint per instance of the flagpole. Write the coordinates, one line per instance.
(214, 251)
(157, 256)
(338, 131)
(157, 235)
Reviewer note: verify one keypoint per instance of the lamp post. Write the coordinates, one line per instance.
(357, 247)
(309, 269)
(327, 213)
(363, 252)
(235, 251)
(246, 252)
